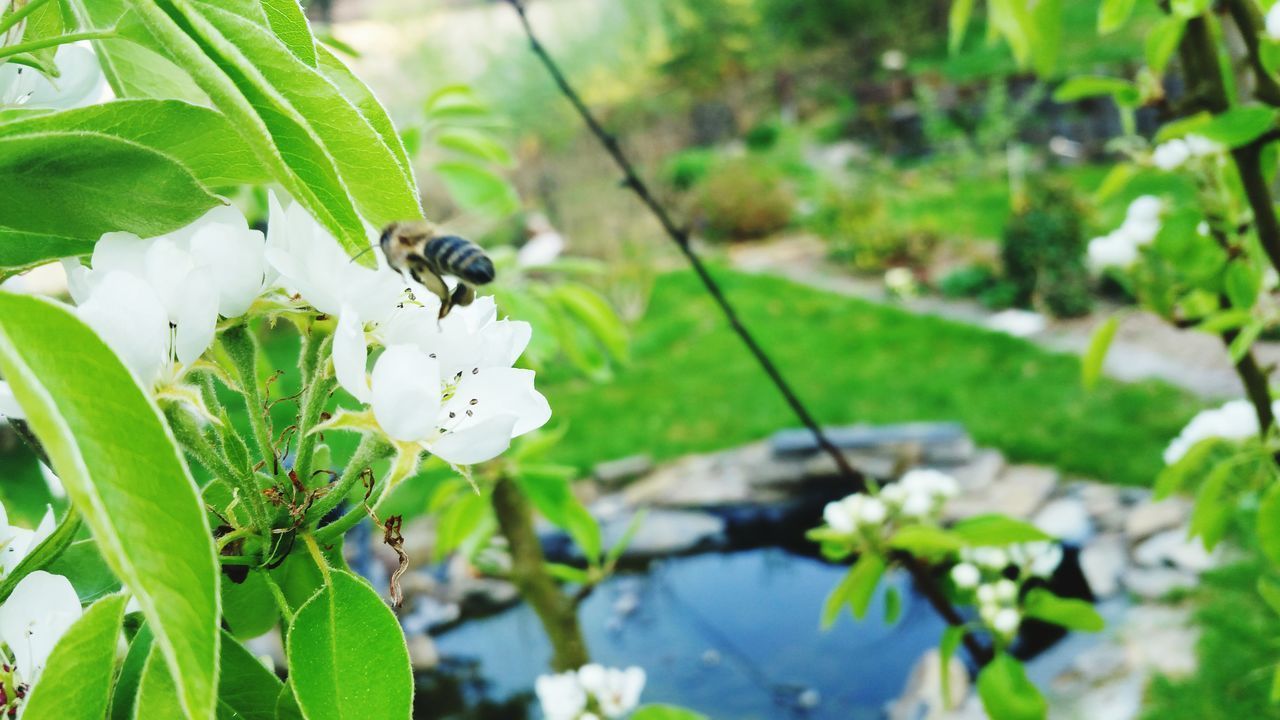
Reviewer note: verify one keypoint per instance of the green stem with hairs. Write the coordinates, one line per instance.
(17, 16)
(242, 348)
(369, 450)
(315, 394)
(194, 442)
(43, 43)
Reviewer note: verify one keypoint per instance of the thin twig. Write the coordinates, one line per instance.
(919, 571)
(681, 238)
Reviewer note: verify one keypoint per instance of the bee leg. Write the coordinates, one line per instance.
(435, 284)
(463, 294)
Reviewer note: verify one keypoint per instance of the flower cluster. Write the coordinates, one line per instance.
(41, 608)
(1119, 248)
(1173, 154)
(982, 573)
(591, 693)
(916, 497)
(1235, 420)
(444, 385)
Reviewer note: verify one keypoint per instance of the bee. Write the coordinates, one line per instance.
(418, 248)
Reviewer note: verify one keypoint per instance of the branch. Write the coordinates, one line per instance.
(681, 238)
(919, 571)
(1248, 19)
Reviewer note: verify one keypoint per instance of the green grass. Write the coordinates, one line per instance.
(1237, 652)
(692, 387)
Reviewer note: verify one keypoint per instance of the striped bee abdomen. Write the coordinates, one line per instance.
(459, 257)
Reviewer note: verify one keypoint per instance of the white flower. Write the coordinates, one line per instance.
(1113, 250)
(17, 542)
(987, 595)
(1145, 208)
(80, 81)
(842, 515)
(1235, 420)
(992, 558)
(966, 576)
(1045, 557)
(311, 263)
(464, 419)
(923, 490)
(157, 300)
(900, 281)
(872, 512)
(1171, 154)
(1006, 621)
(1201, 146)
(9, 406)
(561, 696)
(1006, 590)
(1273, 22)
(34, 617)
(616, 691)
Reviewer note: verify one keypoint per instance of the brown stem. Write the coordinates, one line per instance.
(1248, 19)
(556, 611)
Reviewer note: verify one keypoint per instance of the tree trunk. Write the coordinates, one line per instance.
(556, 611)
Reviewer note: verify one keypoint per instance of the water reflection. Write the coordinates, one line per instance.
(733, 635)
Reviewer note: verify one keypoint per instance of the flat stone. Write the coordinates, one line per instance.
(1155, 583)
(1105, 504)
(1149, 518)
(922, 697)
(616, 472)
(422, 652)
(1173, 548)
(1066, 519)
(1118, 700)
(1103, 561)
(1161, 639)
(981, 471)
(1100, 663)
(861, 437)
(1019, 492)
(667, 532)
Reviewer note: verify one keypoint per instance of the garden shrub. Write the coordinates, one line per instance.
(859, 231)
(687, 168)
(969, 281)
(742, 199)
(764, 136)
(1043, 252)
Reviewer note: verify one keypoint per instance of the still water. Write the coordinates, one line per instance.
(734, 635)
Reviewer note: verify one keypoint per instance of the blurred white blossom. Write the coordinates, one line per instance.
(80, 81)
(39, 611)
(1120, 247)
(593, 692)
(1273, 22)
(1235, 420)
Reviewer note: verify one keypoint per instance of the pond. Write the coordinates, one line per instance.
(735, 635)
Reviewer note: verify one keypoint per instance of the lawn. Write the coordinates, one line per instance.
(691, 386)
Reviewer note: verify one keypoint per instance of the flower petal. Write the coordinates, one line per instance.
(127, 315)
(476, 443)
(485, 392)
(406, 393)
(9, 408)
(197, 317)
(38, 612)
(351, 355)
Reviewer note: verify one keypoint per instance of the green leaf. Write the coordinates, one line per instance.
(476, 143)
(947, 646)
(665, 712)
(133, 63)
(347, 655)
(1096, 354)
(596, 315)
(316, 143)
(855, 590)
(568, 573)
(1116, 180)
(925, 540)
(1162, 40)
(958, 23)
(551, 495)
(476, 188)
(76, 682)
(359, 94)
(997, 530)
(130, 676)
(892, 605)
(199, 139)
(83, 565)
(247, 690)
(1191, 124)
(1215, 505)
(88, 173)
(1191, 469)
(452, 102)
(1006, 692)
(45, 553)
(287, 705)
(1070, 613)
(1086, 86)
(1239, 125)
(628, 535)
(248, 610)
(1269, 589)
(46, 22)
(1047, 43)
(1275, 686)
(1269, 523)
(120, 466)
(290, 25)
(157, 694)
(1113, 15)
(1189, 8)
(1248, 335)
